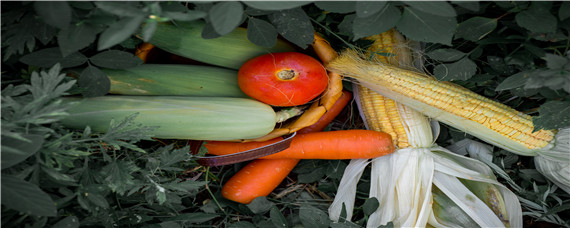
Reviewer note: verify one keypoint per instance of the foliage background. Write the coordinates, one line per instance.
(515, 52)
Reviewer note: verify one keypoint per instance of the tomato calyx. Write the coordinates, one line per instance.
(286, 75)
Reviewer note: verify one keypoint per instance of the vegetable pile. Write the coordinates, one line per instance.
(405, 114)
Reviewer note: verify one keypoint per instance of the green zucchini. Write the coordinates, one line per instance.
(177, 117)
(175, 79)
(231, 50)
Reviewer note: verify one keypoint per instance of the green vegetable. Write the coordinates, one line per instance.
(171, 79)
(177, 117)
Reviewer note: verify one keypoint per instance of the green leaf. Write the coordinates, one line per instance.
(564, 11)
(188, 15)
(26, 197)
(122, 9)
(242, 224)
(370, 205)
(148, 30)
(97, 199)
(553, 115)
(261, 32)
(185, 186)
(115, 59)
(537, 19)
(75, 38)
(513, 81)
(50, 56)
(119, 175)
(440, 8)
(15, 150)
(226, 16)
(380, 22)
(461, 70)
(277, 217)
(420, 26)
(208, 32)
(260, 205)
(196, 217)
(54, 13)
(555, 61)
(119, 32)
(94, 81)
(313, 217)
(67, 222)
(314, 175)
(470, 5)
(294, 25)
(336, 6)
(446, 54)
(475, 28)
(369, 8)
(275, 5)
(19, 37)
(56, 175)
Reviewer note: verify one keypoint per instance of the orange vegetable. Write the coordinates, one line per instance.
(260, 177)
(343, 144)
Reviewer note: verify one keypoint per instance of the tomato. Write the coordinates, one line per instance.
(283, 79)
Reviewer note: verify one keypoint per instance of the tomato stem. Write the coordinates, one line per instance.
(286, 74)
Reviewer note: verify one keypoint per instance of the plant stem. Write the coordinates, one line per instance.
(212, 194)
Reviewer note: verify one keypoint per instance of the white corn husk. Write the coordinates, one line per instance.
(403, 181)
(554, 163)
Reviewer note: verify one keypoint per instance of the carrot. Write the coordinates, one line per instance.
(257, 178)
(261, 176)
(343, 144)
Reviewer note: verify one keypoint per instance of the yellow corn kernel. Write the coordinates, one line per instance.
(432, 97)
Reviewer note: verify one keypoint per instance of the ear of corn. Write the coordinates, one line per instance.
(199, 118)
(405, 181)
(456, 106)
(175, 80)
(231, 50)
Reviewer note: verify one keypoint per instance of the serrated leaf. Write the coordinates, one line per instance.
(294, 25)
(115, 59)
(54, 13)
(185, 186)
(552, 115)
(370, 205)
(277, 217)
(380, 22)
(50, 56)
(514, 81)
(119, 32)
(75, 38)
(45, 33)
(26, 197)
(461, 70)
(67, 222)
(261, 33)
(420, 26)
(241, 224)
(446, 54)
(15, 151)
(225, 16)
(537, 19)
(94, 82)
(555, 61)
(119, 176)
(188, 15)
(260, 205)
(475, 28)
(564, 11)
(19, 37)
(336, 6)
(275, 5)
(369, 8)
(122, 9)
(313, 217)
(440, 8)
(97, 199)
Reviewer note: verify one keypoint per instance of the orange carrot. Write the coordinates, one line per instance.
(342, 144)
(258, 178)
(261, 176)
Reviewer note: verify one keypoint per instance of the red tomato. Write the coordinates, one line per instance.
(283, 79)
